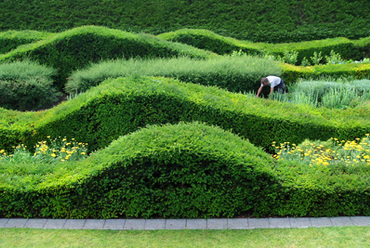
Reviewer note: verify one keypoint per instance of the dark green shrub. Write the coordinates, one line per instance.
(208, 40)
(12, 39)
(262, 21)
(27, 86)
(118, 107)
(180, 171)
(205, 39)
(76, 48)
(237, 74)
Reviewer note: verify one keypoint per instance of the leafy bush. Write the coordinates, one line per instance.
(236, 74)
(76, 48)
(334, 58)
(316, 58)
(290, 57)
(121, 106)
(262, 21)
(27, 86)
(178, 171)
(12, 39)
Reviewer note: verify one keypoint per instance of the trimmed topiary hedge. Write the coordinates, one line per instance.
(76, 48)
(237, 74)
(12, 39)
(179, 171)
(262, 21)
(26, 85)
(205, 39)
(292, 73)
(118, 107)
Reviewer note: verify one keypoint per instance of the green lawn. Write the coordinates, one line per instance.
(311, 237)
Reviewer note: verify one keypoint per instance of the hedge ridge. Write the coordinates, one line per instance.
(292, 73)
(12, 39)
(117, 107)
(267, 21)
(237, 74)
(76, 48)
(179, 171)
(205, 39)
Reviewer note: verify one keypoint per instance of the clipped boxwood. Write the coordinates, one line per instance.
(205, 39)
(26, 85)
(78, 47)
(179, 171)
(118, 107)
(292, 73)
(11, 39)
(237, 74)
(185, 170)
(261, 21)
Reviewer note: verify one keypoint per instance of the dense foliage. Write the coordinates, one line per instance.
(267, 21)
(79, 47)
(12, 39)
(205, 39)
(117, 107)
(236, 74)
(27, 85)
(178, 171)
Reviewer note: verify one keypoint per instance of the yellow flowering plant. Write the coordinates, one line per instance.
(52, 150)
(331, 152)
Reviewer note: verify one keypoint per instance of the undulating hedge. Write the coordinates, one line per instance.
(26, 85)
(118, 107)
(292, 73)
(76, 48)
(205, 39)
(237, 74)
(12, 39)
(179, 171)
(262, 21)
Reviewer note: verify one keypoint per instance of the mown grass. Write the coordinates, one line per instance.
(312, 237)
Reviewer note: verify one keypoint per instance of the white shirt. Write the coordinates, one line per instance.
(273, 81)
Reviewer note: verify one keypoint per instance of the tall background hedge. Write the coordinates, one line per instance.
(273, 21)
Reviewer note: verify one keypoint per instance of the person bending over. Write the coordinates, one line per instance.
(276, 84)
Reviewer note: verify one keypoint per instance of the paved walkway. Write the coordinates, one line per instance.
(173, 224)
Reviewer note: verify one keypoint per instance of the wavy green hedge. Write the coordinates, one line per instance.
(237, 74)
(76, 48)
(118, 107)
(292, 73)
(205, 39)
(179, 171)
(262, 21)
(11, 39)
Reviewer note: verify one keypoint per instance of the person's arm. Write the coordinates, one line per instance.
(259, 91)
(272, 90)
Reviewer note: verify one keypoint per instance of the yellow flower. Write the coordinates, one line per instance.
(48, 136)
(2, 151)
(83, 153)
(53, 155)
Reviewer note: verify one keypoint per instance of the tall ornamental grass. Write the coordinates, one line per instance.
(27, 85)
(237, 74)
(339, 94)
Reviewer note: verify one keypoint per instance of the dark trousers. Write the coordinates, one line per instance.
(280, 88)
